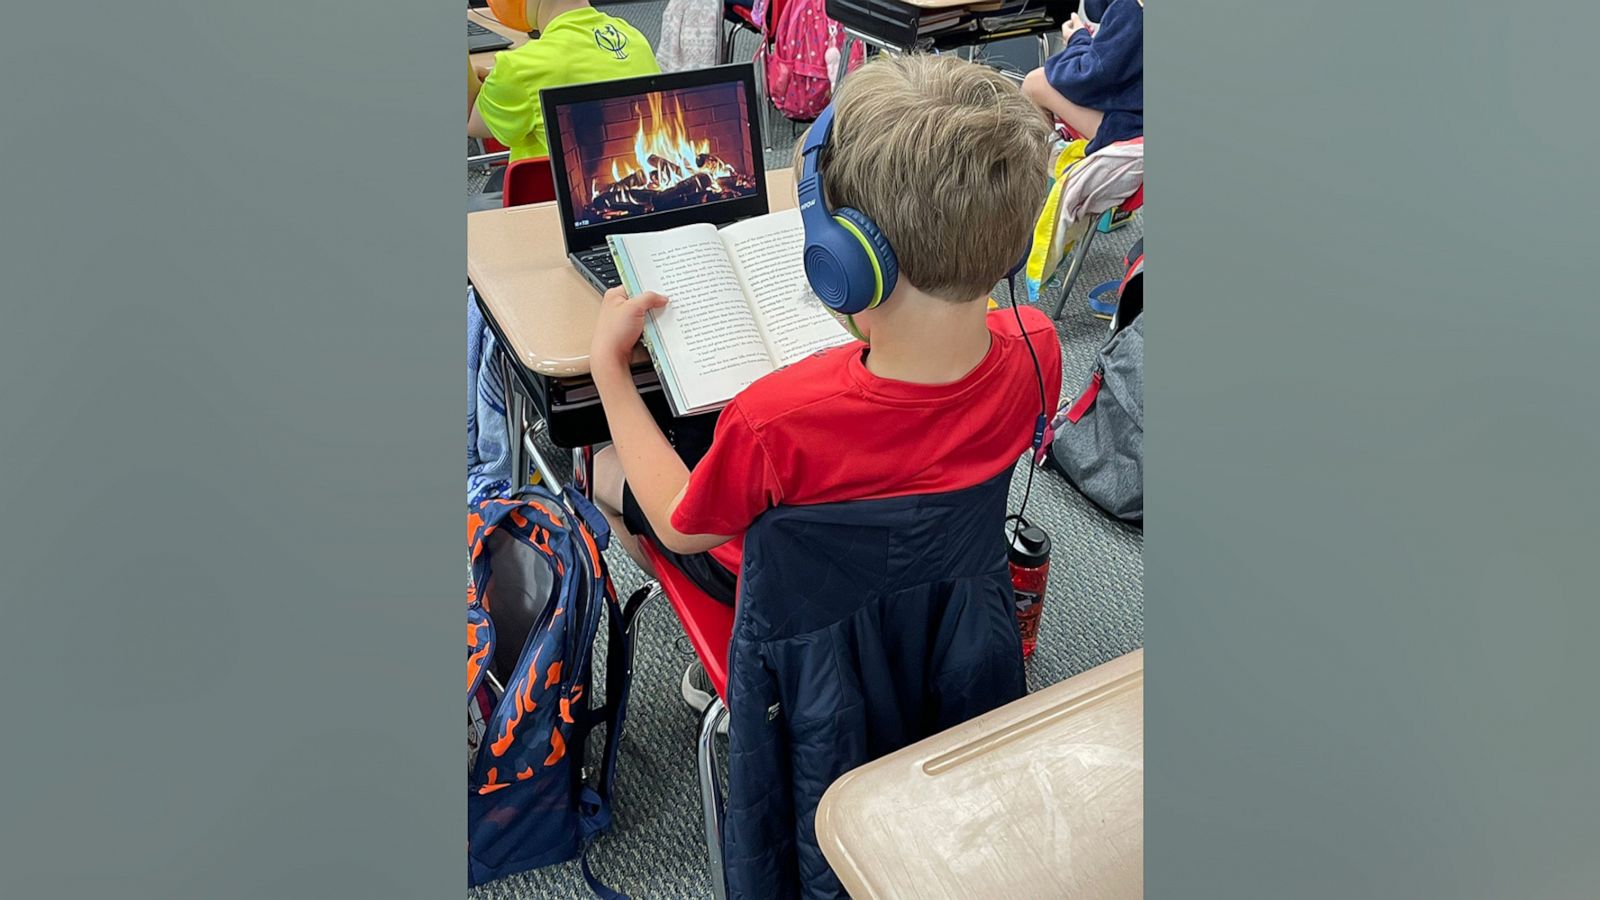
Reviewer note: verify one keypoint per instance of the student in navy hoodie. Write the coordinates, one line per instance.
(1096, 83)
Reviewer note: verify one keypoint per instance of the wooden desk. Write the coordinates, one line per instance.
(518, 262)
(486, 19)
(1041, 798)
(895, 26)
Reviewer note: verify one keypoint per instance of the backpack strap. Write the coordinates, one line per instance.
(595, 802)
(593, 519)
(480, 646)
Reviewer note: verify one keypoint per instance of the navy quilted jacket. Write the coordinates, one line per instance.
(860, 628)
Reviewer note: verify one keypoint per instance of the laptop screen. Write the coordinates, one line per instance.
(655, 152)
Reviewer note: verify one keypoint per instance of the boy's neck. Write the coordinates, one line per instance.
(922, 339)
(552, 8)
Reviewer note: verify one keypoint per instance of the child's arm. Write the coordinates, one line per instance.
(1095, 67)
(655, 472)
(475, 125)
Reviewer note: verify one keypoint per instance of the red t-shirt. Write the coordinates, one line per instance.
(825, 430)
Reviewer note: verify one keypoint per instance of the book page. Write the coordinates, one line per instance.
(768, 252)
(711, 339)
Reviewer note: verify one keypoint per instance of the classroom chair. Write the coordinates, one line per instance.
(529, 181)
(914, 599)
(1080, 250)
(709, 628)
(737, 18)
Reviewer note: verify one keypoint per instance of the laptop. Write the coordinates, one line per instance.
(651, 153)
(482, 40)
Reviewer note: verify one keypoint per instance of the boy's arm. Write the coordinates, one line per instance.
(656, 474)
(507, 105)
(475, 126)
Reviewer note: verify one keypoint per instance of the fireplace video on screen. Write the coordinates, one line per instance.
(656, 152)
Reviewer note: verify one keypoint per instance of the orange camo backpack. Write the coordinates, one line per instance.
(538, 589)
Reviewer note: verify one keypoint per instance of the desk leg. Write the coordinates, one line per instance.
(548, 476)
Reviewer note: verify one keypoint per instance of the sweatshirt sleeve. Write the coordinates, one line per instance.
(1100, 71)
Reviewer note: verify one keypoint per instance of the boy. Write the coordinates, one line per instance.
(949, 159)
(1096, 83)
(577, 44)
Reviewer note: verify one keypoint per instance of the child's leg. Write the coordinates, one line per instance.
(608, 483)
(1081, 119)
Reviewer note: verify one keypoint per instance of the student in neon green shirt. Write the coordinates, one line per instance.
(577, 44)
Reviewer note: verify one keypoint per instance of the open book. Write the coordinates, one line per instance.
(739, 305)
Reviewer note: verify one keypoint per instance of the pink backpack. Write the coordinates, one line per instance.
(794, 50)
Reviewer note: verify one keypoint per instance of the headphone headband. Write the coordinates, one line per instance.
(848, 262)
(812, 207)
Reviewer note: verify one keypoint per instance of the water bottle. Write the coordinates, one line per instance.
(1028, 553)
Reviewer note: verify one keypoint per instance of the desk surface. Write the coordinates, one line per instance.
(486, 19)
(1043, 797)
(517, 260)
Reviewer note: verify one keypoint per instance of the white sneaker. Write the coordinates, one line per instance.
(698, 692)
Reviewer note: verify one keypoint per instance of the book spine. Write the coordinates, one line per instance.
(652, 341)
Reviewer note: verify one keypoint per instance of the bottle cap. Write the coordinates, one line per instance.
(1030, 548)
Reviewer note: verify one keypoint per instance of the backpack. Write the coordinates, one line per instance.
(793, 54)
(691, 35)
(537, 591)
(1098, 441)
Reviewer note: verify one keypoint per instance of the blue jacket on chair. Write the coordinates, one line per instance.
(860, 628)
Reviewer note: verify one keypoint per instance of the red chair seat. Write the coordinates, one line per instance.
(529, 181)
(707, 623)
(1133, 203)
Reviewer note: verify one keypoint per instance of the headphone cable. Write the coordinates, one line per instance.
(1044, 405)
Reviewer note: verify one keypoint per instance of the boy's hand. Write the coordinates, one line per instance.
(1073, 23)
(618, 328)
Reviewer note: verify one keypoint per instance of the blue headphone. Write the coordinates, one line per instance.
(849, 263)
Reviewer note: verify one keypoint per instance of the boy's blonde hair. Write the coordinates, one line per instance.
(948, 158)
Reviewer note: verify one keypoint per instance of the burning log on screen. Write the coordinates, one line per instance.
(665, 171)
(693, 190)
(668, 169)
(615, 202)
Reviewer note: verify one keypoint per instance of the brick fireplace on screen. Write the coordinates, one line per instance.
(658, 152)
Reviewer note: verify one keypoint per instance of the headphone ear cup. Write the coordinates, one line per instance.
(878, 246)
(839, 268)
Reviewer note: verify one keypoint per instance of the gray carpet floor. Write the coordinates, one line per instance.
(1093, 613)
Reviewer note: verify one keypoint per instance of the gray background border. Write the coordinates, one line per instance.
(231, 407)
(230, 455)
(1372, 436)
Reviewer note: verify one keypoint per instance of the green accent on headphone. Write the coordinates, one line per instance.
(877, 272)
(850, 326)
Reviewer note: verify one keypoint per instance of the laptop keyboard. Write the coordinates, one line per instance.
(474, 29)
(600, 263)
